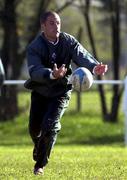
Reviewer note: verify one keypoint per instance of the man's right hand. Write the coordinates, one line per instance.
(59, 72)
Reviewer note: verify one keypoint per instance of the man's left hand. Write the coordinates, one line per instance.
(100, 69)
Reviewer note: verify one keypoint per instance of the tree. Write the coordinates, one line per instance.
(114, 7)
(11, 56)
(114, 10)
(12, 52)
(15, 40)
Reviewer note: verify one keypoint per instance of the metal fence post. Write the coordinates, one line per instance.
(125, 108)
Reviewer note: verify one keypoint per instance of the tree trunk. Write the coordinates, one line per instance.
(115, 25)
(111, 116)
(12, 58)
(92, 42)
(8, 100)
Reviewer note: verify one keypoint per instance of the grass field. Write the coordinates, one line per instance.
(86, 149)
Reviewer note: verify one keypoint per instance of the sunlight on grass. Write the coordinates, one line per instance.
(86, 148)
(67, 162)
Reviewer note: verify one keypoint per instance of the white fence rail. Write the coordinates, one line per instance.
(14, 82)
(122, 82)
(20, 82)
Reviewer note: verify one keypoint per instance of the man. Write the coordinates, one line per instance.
(49, 63)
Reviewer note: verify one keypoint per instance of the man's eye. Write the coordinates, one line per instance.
(51, 22)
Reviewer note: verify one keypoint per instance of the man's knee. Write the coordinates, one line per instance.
(53, 127)
(34, 131)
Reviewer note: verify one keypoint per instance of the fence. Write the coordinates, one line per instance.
(122, 82)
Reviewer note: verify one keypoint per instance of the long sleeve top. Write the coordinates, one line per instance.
(41, 56)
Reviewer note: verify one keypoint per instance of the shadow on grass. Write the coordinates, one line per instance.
(97, 135)
(6, 144)
(95, 141)
(91, 141)
(81, 113)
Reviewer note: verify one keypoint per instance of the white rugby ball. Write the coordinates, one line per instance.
(81, 79)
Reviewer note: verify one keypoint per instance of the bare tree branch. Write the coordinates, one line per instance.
(67, 3)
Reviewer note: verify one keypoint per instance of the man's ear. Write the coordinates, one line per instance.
(42, 26)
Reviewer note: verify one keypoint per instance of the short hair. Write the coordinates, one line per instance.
(45, 15)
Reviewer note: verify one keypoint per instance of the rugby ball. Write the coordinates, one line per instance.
(81, 79)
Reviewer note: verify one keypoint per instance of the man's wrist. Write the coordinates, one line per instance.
(94, 70)
(51, 76)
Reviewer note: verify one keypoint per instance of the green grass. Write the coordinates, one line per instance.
(86, 148)
(66, 162)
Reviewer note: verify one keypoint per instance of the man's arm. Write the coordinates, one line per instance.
(37, 71)
(83, 58)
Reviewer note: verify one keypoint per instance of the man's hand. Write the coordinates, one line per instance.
(59, 72)
(100, 69)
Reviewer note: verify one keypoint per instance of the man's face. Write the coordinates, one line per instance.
(52, 27)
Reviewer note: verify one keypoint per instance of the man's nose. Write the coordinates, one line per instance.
(56, 25)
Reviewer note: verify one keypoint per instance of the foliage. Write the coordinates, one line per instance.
(13, 49)
(114, 14)
(21, 20)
